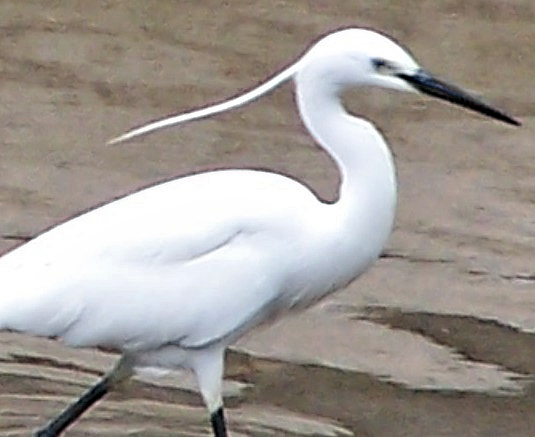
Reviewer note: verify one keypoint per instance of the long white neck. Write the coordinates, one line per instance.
(364, 211)
(361, 220)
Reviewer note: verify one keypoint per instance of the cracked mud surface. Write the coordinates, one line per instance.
(436, 340)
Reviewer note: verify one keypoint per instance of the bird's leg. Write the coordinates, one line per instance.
(218, 423)
(121, 372)
(208, 367)
(75, 410)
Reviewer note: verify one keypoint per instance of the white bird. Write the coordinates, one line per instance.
(173, 274)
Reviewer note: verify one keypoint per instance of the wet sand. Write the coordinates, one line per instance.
(436, 340)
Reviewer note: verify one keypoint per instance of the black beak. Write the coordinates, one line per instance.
(424, 82)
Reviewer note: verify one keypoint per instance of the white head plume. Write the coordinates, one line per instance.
(226, 105)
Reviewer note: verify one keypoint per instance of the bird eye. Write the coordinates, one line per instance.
(383, 66)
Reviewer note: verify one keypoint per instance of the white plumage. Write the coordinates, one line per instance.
(173, 274)
(208, 254)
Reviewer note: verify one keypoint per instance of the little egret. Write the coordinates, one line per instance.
(173, 274)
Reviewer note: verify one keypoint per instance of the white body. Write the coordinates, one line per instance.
(190, 262)
(173, 274)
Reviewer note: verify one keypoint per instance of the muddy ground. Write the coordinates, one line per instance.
(436, 340)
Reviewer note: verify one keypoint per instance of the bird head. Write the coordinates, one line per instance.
(342, 59)
(356, 57)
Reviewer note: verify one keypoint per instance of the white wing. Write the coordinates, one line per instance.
(188, 261)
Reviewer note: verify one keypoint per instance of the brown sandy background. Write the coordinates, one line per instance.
(436, 340)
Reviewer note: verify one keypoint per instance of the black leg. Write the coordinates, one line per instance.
(120, 373)
(218, 423)
(75, 410)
